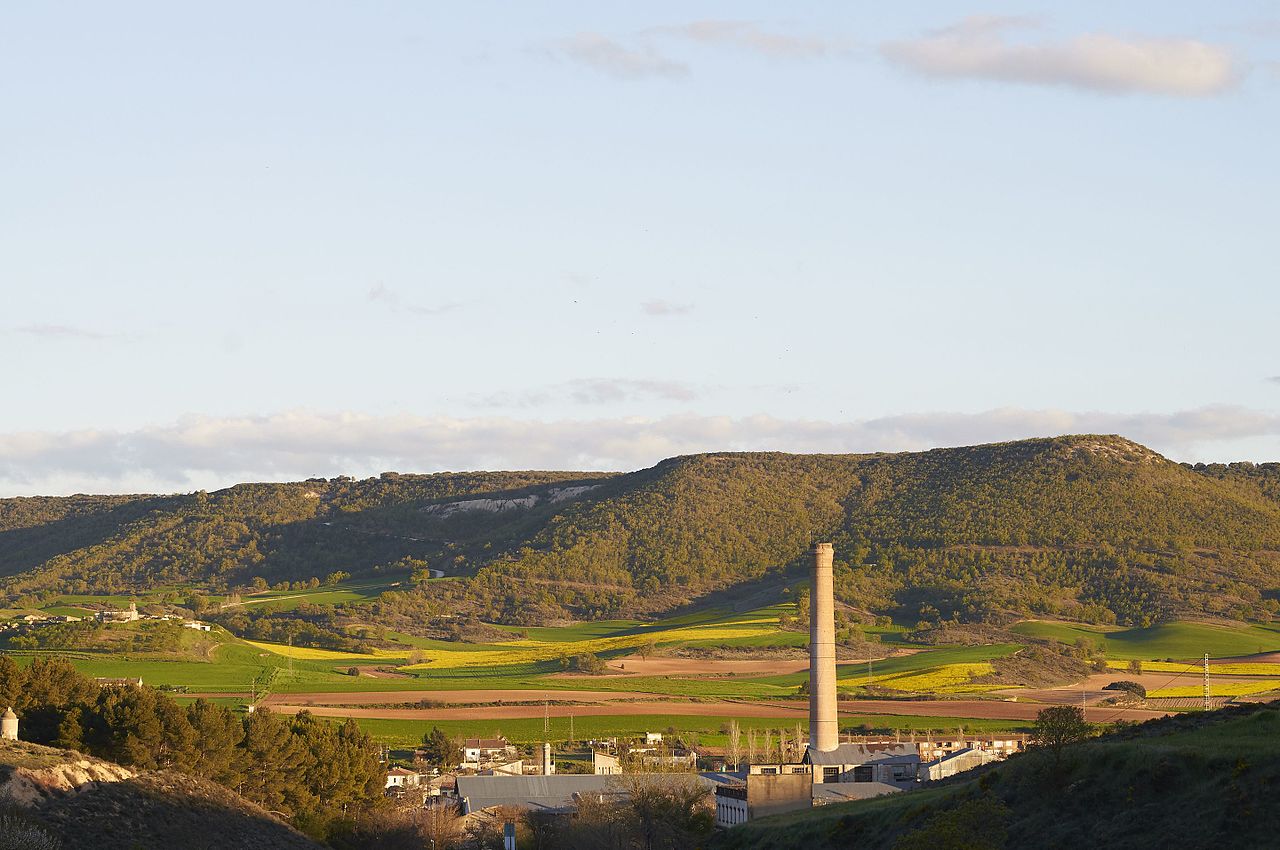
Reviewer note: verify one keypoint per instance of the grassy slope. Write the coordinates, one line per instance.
(1186, 782)
(1166, 640)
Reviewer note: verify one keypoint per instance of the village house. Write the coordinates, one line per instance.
(399, 777)
(129, 615)
(480, 753)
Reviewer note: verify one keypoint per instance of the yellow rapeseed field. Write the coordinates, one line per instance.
(307, 653)
(943, 679)
(525, 650)
(1241, 669)
(1224, 689)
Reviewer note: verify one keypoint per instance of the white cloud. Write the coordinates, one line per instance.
(750, 36)
(980, 48)
(659, 307)
(611, 57)
(212, 452)
(61, 332)
(396, 302)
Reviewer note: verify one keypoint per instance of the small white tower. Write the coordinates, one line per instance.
(548, 765)
(9, 725)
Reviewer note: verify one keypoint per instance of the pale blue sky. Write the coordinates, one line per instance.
(277, 239)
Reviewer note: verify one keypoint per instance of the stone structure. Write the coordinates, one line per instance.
(761, 795)
(9, 725)
(824, 730)
(548, 764)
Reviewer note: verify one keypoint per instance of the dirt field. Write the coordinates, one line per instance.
(637, 666)
(797, 711)
(990, 709)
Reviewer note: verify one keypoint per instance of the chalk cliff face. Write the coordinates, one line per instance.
(84, 802)
(39, 777)
(553, 496)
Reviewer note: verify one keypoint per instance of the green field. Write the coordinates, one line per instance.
(218, 663)
(287, 600)
(1180, 640)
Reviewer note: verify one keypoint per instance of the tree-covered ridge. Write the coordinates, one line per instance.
(279, 531)
(1263, 478)
(1090, 527)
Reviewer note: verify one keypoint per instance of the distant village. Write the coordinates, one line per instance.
(128, 615)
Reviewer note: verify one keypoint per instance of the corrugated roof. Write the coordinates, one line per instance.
(486, 743)
(859, 754)
(552, 793)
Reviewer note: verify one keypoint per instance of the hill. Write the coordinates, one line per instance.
(88, 803)
(1189, 780)
(1095, 528)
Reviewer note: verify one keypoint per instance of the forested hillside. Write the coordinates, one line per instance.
(1089, 527)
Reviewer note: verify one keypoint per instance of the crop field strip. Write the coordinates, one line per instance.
(533, 661)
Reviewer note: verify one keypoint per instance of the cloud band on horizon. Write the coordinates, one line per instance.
(207, 452)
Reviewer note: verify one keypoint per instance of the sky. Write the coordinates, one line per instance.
(269, 241)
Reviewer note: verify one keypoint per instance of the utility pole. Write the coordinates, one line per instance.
(546, 715)
(571, 738)
(1206, 682)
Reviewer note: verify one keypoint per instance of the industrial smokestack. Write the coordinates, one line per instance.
(548, 765)
(824, 730)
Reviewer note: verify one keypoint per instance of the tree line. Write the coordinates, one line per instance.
(318, 775)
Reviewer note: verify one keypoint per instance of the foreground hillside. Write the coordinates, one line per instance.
(85, 802)
(1188, 781)
(1085, 527)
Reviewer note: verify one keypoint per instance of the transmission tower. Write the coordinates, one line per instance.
(546, 715)
(1206, 682)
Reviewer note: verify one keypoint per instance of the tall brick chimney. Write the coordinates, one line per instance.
(824, 729)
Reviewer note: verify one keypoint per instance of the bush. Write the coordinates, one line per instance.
(1128, 687)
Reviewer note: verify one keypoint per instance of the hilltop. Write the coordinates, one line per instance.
(1189, 779)
(86, 802)
(1087, 527)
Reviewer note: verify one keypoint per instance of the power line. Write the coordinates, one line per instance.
(1207, 703)
(1163, 685)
